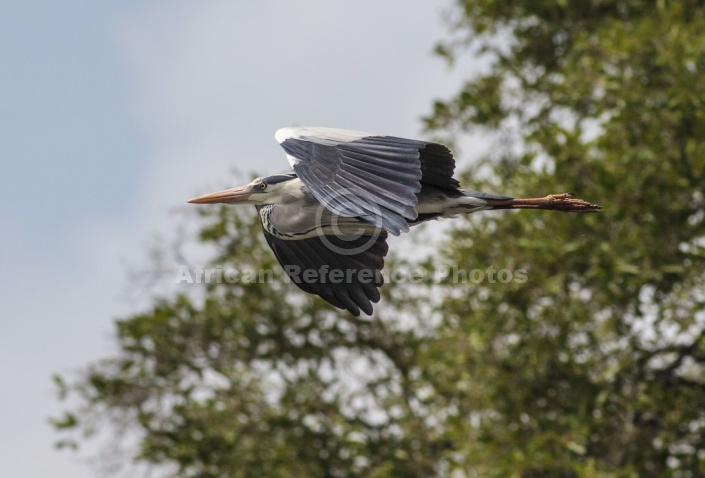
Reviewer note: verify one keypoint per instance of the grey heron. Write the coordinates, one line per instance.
(328, 221)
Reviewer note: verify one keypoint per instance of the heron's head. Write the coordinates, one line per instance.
(261, 191)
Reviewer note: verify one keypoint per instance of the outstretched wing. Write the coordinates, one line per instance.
(374, 178)
(345, 272)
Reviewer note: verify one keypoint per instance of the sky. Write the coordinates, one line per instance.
(113, 114)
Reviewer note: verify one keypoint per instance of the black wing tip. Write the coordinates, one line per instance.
(354, 305)
(359, 309)
(362, 269)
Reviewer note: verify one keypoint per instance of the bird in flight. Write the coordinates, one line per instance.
(327, 221)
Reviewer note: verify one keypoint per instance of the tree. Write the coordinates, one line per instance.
(592, 366)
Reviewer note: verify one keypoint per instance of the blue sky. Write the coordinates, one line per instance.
(112, 114)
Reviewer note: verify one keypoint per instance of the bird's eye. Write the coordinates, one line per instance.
(263, 186)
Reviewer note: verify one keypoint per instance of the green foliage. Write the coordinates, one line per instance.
(260, 379)
(593, 367)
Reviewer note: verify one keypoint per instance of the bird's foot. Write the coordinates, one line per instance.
(567, 202)
(560, 197)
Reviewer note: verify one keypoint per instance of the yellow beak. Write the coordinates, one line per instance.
(227, 196)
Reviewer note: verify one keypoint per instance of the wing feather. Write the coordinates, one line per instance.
(374, 178)
(438, 166)
(356, 292)
(377, 177)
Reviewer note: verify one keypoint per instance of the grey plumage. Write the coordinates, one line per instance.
(327, 222)
(374, 178)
